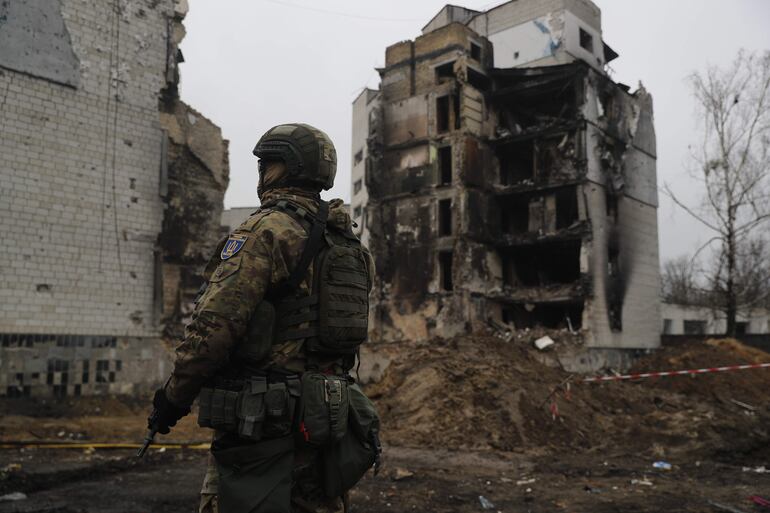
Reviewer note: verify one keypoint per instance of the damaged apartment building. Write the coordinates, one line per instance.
(508, 182)
(110, 196)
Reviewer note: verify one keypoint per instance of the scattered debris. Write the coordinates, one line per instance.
(745, 406)
(725, 507)
(15, 496)
(544, 342)
(486, 503)
(662, 465)
(757, 470)
(642, 482)
(399, 474)
(525, 481)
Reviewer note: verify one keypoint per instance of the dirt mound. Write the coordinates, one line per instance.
(749, 386)
(482, 393)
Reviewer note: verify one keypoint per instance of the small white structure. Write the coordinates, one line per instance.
(681, 319)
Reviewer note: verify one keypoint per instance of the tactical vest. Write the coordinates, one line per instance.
(333, 319)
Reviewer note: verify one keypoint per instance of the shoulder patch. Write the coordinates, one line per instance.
(232, 246)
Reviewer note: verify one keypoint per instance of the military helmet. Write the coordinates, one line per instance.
(308, 153)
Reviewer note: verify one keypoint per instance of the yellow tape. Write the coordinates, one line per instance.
(195, 447)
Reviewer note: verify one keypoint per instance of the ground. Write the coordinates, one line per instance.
(489, 441)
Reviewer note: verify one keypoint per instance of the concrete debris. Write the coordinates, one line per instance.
(486, 503)
(15, 496)
(544, 343)
(399, 474)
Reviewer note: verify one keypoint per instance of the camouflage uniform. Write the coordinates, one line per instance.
(273, 244)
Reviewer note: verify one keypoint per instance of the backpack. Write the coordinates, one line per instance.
(337, 309)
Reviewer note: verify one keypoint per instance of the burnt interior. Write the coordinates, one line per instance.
(539, 212)
(568, 314)
(544, 264)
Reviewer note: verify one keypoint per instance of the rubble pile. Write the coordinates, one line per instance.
(480, 393)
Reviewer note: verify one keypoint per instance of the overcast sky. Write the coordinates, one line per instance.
(253, 64)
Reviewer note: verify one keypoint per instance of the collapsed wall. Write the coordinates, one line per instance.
(111, 194)
(523, 199)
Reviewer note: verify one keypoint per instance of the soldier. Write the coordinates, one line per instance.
(271, 342)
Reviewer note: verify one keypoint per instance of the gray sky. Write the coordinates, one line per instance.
(253, 64)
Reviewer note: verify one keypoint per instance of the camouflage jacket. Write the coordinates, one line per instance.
(272, 243)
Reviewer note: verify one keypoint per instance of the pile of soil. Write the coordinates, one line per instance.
(481, 393)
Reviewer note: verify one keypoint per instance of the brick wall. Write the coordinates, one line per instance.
(80, 206)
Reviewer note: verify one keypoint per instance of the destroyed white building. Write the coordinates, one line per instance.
(514, 176)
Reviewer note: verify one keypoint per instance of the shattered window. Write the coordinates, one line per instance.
(475, 52)
(442, 114)
(357, 185)
(445, 217)
(445, 72)
(445, 165)
(586, 41)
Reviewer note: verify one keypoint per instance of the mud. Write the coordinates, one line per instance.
(463, 419)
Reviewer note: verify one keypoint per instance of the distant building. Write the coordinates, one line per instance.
(365, 106)
(700, 320)
(508, 179)
(232, 218)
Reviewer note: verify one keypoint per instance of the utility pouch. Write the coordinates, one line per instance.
(323, 412)
(216, 408)
(277, 415)
(251, 409)
(345, 462)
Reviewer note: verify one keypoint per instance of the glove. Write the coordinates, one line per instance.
(165, 414)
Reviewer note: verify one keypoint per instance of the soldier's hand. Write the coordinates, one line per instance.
(165, 414)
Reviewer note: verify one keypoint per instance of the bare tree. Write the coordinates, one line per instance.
(678, 281)
(732, 162)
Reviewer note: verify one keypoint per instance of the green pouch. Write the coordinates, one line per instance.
(345, 462)
(251, 409)
(255, 478)
(323, 414)
(278, 416)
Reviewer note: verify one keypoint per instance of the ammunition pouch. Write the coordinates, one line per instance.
(254, 408)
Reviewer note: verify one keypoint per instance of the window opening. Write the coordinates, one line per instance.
(442, 114)
(444, 217)
(357, 185)
(445, 72)
(694, 327)
(475, 52)
(445, 165)
(586, 41)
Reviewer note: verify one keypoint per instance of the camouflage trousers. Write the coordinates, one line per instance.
(307, 495)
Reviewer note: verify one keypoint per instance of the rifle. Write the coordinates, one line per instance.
(151, 432)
